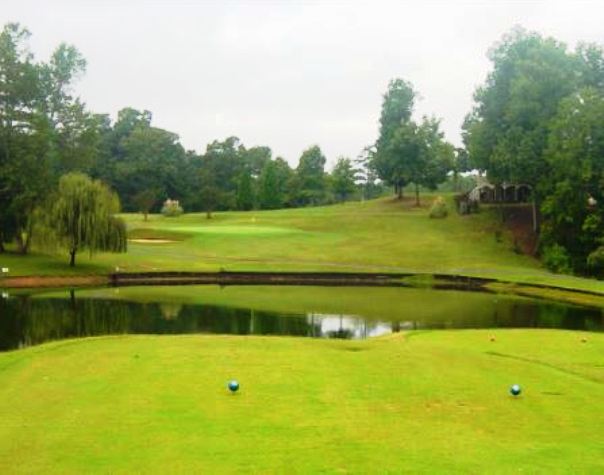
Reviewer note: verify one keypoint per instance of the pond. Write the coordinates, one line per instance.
(326, 312)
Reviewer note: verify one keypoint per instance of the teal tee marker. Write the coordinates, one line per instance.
(515, 390)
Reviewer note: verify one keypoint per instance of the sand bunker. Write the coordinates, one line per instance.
(151, 241)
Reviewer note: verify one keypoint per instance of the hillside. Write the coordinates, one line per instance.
(375, 236)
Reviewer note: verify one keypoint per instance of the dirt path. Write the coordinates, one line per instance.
(53, 281)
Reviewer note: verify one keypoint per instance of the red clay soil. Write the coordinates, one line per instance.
(53, 281)
(519, 220)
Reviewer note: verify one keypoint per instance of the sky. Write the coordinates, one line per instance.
(288, 74)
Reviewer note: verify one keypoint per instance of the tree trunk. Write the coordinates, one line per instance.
(417, 195)
(209, 214)
(24, 233)
(145, 214)
(22, 244)
(398, 189)
(535, 215)
(27, 241)
(72, 255)
(1, 247)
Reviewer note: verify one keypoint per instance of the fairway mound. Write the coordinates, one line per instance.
(440, 393)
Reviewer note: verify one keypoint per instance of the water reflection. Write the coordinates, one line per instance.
(29, 320)
(347, 326)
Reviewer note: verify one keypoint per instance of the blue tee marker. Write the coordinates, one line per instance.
(233, 386)
(515, 390)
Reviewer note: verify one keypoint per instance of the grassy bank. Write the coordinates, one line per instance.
(375, 236)
(423, 402)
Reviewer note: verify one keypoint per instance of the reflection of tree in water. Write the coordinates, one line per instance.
(26, 320)
(30, 321)
(342, 333)
(170, 311)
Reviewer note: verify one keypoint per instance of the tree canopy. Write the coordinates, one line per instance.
(406, 152)
(82, 216)
(537, 120)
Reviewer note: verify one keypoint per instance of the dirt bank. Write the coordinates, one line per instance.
(53, 281)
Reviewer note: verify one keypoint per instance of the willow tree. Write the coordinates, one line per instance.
(83, 216)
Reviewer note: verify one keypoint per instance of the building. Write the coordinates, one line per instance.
(486, 192)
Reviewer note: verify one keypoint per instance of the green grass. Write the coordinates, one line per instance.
(426, 402)
(375, 236)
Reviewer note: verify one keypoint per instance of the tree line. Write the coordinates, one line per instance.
(539, 120)
(536, 120)
(46, 132)
(146, 165)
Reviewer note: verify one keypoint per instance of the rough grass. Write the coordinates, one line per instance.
(381, 235)
(430, 402)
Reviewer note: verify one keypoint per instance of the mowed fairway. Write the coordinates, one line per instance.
(418, 402)
(380, 236)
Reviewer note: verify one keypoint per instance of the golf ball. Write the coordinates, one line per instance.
(515, 390)
(233, 385)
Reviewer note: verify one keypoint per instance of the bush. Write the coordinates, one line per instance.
(595, 261)
(439, 208)
(556, 259)
(171, 208)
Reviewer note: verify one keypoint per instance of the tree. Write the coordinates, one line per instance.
(310, 176)
(256, 158)
(83, 216)
(366, 175)
(225, 160)
(24, 137)
(420, 155)
(573, 207)
(209, 191)
(435, 160)
(343, 179)
(507, 131)
(591, 66)
(145, 200)
(151, 159)
(44, 130)
(273, 184)
(461, 163)
(134, 157)
(245, 194)
(397, 107)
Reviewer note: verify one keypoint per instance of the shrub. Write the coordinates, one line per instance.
(595, 261)
(556, 259)
(171, 208)
(439, 208)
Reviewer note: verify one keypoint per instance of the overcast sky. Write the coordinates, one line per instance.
(287, 74)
